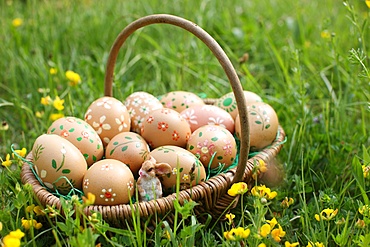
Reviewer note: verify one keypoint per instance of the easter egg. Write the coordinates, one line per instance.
(80, 134)
(201, 115)
(180, 100)
(139, 105)
(109, 117)
(214, 145)
(263, 123)
(165, 127)
(184, 164)
(129, 148)
(58, 163)
(111, 181)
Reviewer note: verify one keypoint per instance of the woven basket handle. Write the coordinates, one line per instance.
(216, 50)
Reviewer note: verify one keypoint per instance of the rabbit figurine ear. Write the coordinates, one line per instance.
(162, 169)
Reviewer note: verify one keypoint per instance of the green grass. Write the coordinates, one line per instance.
(308, 59)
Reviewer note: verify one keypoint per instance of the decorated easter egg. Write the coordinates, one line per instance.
(165, 127)
(263, 122)
(139, 105)
(109, 117)
(184, 164)
(198, 116)
(129, 148)
(80, 134)
(214, 145)
(180, 100)
(58, 163)
(111, 181)
(228, 101)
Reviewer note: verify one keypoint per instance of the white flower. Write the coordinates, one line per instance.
(136, 102)
(121, 123)
(216, 121)
(144, 109)
(131, 111)
(106, 103)
(190, 117)
(101, 125)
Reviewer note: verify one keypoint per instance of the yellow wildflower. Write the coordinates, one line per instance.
(273, 222)
(262, 166)
(7, 161)
(17, 22)
(53, 71)
(46, 100)
(56, 116)
(367, 3)
(89, 200)
(58, 103)
(238, 189)
(326, 214)
(288, 244)
(21, 152)
(277, 233)
(365, 170)
(27, 224)
(1, 226)
(360, 224)
(39, 114)
(261, 245)
(265, 230)
(13, 239)
(287, 202)
(325, 34)
(73, 78)
(317, 244)
(230, 217)
(263, 191)
(237, 233)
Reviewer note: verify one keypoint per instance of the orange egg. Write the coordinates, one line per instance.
(180, 100)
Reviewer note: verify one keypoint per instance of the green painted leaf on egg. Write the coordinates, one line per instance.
(66, 171)
(54, 164)
(253, 113)
(214, 138)
(128, 138)
(181, 169)
(200, 134)
(71, 130)
(61, 127)
(220, 157)
(79, 138)
(52, 130)
(86, 156)
(191, 147)
(115, 143)
(94, 158)
(124, 148)
(111, 152)
(258, 122)
(267, 126)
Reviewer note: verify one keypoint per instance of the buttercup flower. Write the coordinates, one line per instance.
(237, 233)
(367, 3)
(288, 244)
(56, 116)
(238, 189)
(46, 100)
(17, 22)
(58, 103)
(89, 199)
(7, 161)
(287, 202)
(326, 214)
(53, 71)
(317, 244)
(27, 224)
(325, 34)
(365, 170)
(265, 230)
(273, 222)
(13, 239)
(263, 191)
(21, 152)
(277, 233)
(230, 217)
(73, 78)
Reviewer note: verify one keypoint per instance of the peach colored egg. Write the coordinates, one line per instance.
(184, 164)
(80, 134)
(109, 117)
(180, 100)
(263, 122)
(214, 145)
(228, 101)
(111, 181)
(198, 116)
(139, 105)
(58, 163)
(129, 148)
(165, 127)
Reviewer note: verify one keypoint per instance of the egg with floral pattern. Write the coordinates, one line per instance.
(228, 101)
(109, 117)
(58, 163)
(180, 100)
(139, 105)
(80, 134)
(263, 124)
(165, 127)
(214, 145)
(111, 181)
(198, 116)
(183, 163)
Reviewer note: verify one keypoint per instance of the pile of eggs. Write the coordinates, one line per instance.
(102, 153)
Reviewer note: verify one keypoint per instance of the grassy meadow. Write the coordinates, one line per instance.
(307, 59)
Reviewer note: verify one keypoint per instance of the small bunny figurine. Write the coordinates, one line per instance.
(148, 183)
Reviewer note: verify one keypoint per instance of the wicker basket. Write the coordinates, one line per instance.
(211, 195)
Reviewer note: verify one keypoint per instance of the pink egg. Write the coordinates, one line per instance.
(198, 116)
(165, 127)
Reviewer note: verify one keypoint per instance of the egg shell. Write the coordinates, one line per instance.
(58, 163)
(139, 105)
(165, 127)
(129, 148)
(198, 116)
(111, 181)
(263, 123)
(192, 171)
(180, 100)
(109, 117)
(228, 101)
(80, 134)
(213, 140)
